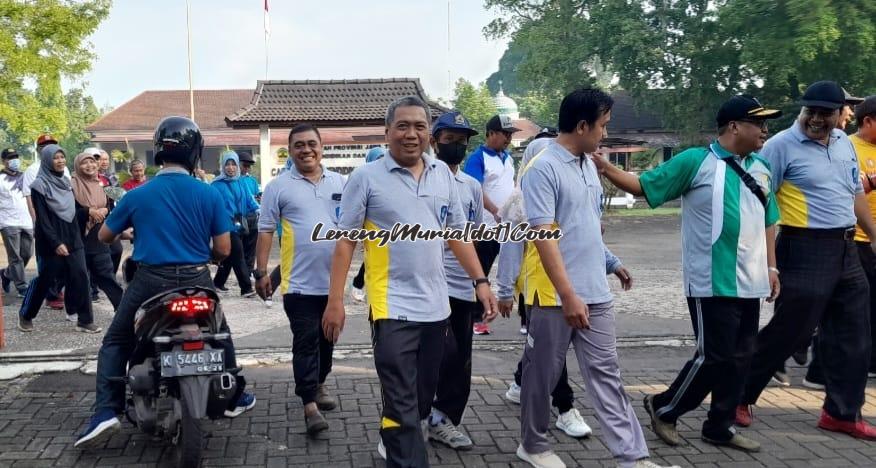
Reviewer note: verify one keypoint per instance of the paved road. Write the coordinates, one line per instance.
(649, 246)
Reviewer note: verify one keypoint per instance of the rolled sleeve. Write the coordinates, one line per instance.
(539, 196)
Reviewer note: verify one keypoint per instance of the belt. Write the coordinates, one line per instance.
(834, 233)
(175, 268)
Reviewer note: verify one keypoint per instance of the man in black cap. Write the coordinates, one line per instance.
(491, 165)
(815, 176)
(252, 218)
(728, 220)
(16, 225)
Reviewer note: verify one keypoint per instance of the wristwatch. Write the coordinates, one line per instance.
(259, 274)
(480, 281)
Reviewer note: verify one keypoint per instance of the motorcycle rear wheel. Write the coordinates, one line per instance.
(189, 438)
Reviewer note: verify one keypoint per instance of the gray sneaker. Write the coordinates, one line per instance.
(446, 433)
(738, 441)
(90, 328)
(664, 430)
(24, 324)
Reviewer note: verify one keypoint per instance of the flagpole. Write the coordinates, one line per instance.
(267, 22)
(189, 44)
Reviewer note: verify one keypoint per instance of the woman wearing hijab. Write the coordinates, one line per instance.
(58, 243)
(92, 207)
(237, 202)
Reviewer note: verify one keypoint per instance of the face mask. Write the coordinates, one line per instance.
(451, 153)
(14, 165)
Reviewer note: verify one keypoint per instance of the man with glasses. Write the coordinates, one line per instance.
(728, 236)
(815, 176)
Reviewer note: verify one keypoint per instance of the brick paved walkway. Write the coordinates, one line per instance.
(39, 417)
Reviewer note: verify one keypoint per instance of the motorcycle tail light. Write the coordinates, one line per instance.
(192, 345)
(190, 307)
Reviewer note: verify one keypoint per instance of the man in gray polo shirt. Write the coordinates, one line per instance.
(405, 280)
(816, 179)
(299, 199)
(567, 290)
(450, 134)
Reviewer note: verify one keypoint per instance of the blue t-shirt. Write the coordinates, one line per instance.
(174, 218)
(252, 186)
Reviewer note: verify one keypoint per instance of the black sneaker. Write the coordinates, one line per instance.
(221, 289)
(95, 298)
(7, 283)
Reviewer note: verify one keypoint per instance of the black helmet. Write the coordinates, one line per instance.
(178, 140)
(245, 157)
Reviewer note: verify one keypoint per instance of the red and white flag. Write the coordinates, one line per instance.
(267, 20)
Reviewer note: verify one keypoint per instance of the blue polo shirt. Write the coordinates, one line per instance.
(174, 218)
(815, 184)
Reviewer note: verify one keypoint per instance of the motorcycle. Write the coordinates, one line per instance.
(177, 374)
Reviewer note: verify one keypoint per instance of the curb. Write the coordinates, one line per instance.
(17, 364)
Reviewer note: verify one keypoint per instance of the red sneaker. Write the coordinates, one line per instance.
(481, 328)
(744, 416)
(858, 429)
(56, 304)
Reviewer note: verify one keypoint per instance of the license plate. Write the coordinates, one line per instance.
(183, 363)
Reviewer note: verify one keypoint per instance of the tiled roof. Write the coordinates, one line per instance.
(326, 102)
(144, 111)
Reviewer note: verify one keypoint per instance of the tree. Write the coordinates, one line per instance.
(42, 41)
(476, 104)
(682, 58)
(80, 112)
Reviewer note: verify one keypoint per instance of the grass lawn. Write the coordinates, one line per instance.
(621, 211)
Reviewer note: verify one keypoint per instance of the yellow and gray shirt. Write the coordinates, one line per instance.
(815, 184)
(296, 204)
(404, 280)
(563, 190)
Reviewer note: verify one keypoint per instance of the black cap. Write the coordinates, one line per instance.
(9, 153)
(546, 132)
(245, 157)
(501, 123)
(744, 107)
(827, 94)
(852, 100)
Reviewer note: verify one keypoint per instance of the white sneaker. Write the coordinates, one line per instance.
(269, 302)
(812, 385)
(446, 433)
(358, 294)
(645, 463)
(540, 460)
(73, 318)
(513, 393)
(381, 449)
(573, 424)
(524, 330)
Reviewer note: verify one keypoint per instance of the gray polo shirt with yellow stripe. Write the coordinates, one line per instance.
(404, 280)
(297, 204)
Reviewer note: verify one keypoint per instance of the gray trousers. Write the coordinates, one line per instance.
(19, 249)
(543, 358)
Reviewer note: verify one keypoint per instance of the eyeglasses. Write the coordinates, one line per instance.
(762, 124)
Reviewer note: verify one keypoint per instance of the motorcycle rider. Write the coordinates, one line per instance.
(174, 218)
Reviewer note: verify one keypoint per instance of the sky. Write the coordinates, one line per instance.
(142, 44)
